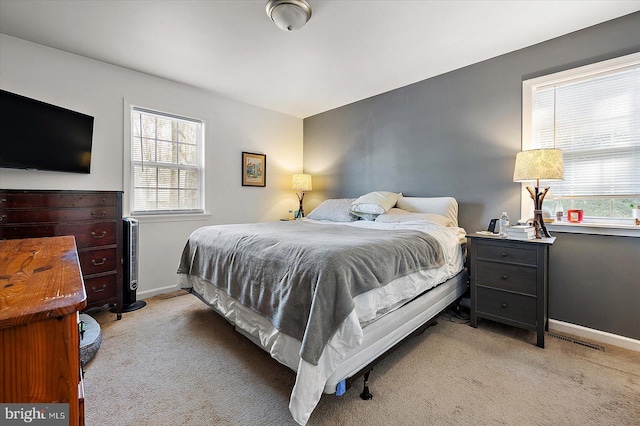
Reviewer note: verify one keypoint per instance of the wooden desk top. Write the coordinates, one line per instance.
(40, 278)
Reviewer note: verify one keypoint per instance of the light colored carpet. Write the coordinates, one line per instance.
(176, 362)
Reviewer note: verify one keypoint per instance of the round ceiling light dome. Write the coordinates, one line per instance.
(289, 15)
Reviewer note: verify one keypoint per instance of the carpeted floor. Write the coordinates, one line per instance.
(176, 362)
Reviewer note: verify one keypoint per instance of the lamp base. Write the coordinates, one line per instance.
(301, 208)
(538, 221)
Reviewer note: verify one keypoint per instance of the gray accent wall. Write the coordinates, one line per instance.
(457, 134)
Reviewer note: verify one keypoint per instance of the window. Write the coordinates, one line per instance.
(166, 163)
(593, 115)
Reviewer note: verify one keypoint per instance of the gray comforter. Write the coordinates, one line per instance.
(301, 275)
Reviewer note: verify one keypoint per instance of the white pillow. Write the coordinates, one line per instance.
(445, 206)
(370, 205)
(399, 215)
(335, 210)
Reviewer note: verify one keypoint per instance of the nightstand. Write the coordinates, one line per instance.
(509, 281)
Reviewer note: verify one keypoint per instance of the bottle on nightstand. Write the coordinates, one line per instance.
(504, 224)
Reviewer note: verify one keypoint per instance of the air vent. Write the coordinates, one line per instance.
(577, 342)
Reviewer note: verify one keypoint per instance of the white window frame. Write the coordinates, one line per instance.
(164, 214)
(604, 227)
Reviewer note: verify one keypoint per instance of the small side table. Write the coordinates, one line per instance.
(509, 281)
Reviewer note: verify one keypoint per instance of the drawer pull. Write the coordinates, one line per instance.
(504, 254)
(98, 236)
(504, 276)
(100, 262)
(102, 215)
(3, 200)
(3, 217)
(504, 306)
(95, 290)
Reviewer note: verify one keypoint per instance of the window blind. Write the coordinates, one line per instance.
(166, 162)
(595, 121)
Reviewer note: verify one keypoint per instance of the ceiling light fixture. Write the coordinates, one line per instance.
(289, 15)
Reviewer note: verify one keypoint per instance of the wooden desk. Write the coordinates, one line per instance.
(41, 292)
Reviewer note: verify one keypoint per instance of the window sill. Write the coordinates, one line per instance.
(622, 230)
(176, 217)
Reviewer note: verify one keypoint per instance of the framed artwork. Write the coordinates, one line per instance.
(254, 169)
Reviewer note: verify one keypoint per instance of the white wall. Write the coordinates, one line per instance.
(99, 89)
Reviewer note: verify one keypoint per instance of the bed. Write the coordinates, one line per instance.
(328, 295)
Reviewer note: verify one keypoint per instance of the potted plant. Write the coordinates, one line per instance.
(635, 212)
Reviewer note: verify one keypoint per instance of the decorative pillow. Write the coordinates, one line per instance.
(335, 210)
(399, 215)
(370, 205)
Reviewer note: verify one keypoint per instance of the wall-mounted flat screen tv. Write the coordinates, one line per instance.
(41, 136)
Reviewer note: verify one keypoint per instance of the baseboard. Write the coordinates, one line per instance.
(156, 291)
(594, 335)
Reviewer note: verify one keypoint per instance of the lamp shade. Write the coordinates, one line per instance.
(301, 182)
(289, 15)
(539, 164)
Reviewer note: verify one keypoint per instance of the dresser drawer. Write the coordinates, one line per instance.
(35, 199)
(98, 261)
(100, 288)
(507, 305)
(521, 279)
(87, 234)
(95, 234)
(507, 252)
(57, 215)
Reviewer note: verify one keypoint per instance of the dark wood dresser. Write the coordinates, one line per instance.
(94, 218)
(509, 281)
(41, 293)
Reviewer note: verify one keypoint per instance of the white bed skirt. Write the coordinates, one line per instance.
(350, 349)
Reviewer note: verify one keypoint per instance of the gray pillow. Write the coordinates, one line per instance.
(334, 209)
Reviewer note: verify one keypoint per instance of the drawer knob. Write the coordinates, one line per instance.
(504, 276)
(504, 306)
(98, 236)
(3, 217)
(98, 262)
(95, 290)
(504, 254)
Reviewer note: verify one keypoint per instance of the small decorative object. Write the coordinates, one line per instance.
(635, 213)
(254, 169)
(536, 165)
(559, 212)
(301, 182)
(575, 216)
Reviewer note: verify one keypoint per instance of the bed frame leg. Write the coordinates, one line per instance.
(366, 395)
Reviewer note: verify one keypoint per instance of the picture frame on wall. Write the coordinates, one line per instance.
(254, 169)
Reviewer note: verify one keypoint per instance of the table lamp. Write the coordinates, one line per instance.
(537, 165)
(301, 182)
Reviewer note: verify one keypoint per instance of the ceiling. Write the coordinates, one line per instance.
(349, 50)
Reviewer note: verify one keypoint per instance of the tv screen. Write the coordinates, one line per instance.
(41, 136)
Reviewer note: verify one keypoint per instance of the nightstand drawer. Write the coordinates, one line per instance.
(507, 305)
(520, 279)
(507, 252)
